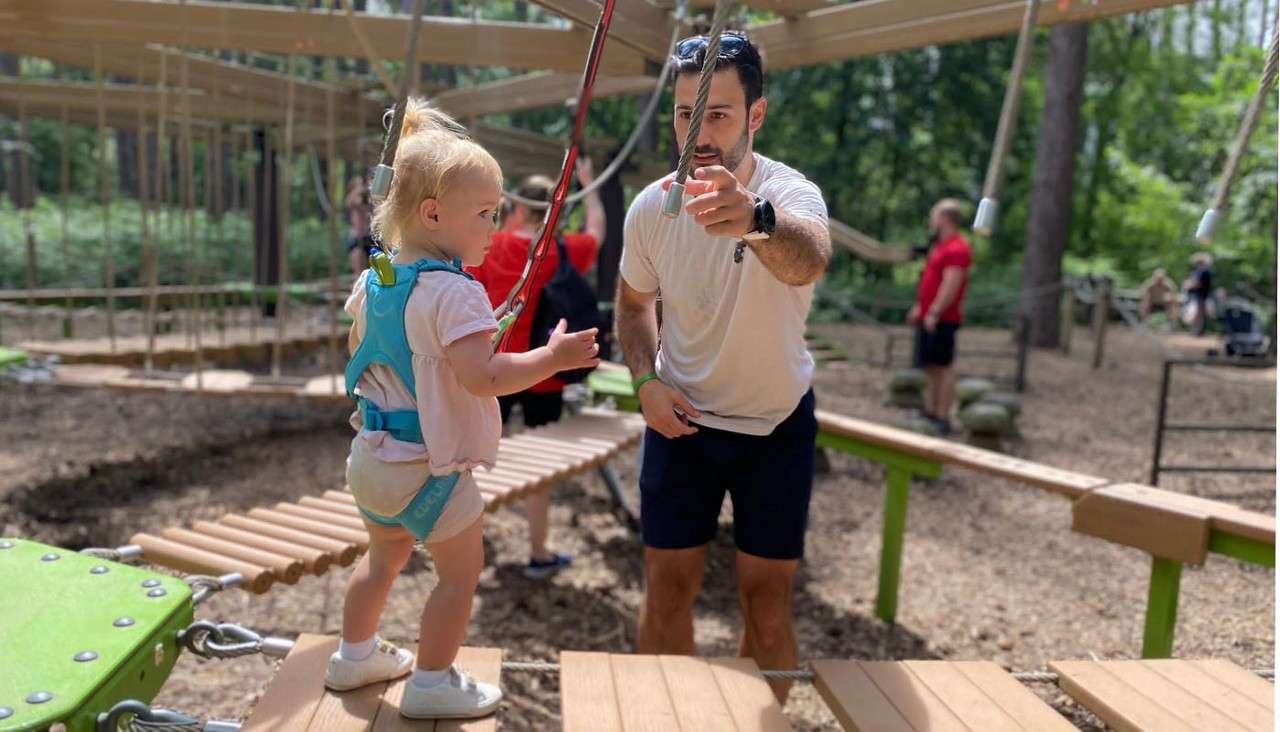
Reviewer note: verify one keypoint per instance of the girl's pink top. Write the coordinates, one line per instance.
(461, 430)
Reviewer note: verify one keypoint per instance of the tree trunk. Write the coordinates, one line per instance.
(1049, 226)
(9, 161)
(127, 163)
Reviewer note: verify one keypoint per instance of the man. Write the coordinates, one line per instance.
(1159, 292)
(726, 397)
(937, 311)
(1199, 289)
(542, 403)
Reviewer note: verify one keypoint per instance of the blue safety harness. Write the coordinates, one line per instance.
(386, 343)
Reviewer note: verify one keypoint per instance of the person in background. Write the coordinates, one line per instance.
(1199, 289)
(1159, 291)
(359, 213)
(937, 313)
(543, 402)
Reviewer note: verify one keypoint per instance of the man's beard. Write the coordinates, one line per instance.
(735, 156)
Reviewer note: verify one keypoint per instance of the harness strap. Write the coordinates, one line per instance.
(403, 424)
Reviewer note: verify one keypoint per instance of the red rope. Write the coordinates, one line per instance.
(519, 296)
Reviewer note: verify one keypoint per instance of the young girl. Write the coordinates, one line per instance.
(425, 378)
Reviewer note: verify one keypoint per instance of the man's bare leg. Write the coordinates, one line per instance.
(764, 591)
(672, 579)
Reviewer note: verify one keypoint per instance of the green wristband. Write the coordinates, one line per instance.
(635, 385)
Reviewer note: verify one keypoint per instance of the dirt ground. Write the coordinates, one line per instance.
(991, 569)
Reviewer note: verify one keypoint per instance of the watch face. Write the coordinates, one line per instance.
(765, 219)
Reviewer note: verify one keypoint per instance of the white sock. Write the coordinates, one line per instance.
(357, 651)
(427, 679)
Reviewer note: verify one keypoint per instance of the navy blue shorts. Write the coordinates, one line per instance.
(768, 478)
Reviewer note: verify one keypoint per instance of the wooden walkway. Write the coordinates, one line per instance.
(284, 542)
(297, 701)
(176, 349)
(608, 692)
(978, 696)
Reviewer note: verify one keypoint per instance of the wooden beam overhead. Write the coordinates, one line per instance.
(532, 91)
(234, 82)
(874, 27)
(275, 29)
(636, 23)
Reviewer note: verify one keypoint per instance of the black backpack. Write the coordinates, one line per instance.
(568, 295)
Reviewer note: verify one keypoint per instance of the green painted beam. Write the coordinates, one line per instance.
(1239, 547)
(897, 491)
(12, 357)
(1162, 608)
(890, 458)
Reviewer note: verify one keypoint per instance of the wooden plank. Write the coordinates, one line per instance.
(887, 26)
(855, 699)
(316, 561)
(1224, 516)
(1253, 713)
(964, 698)
(315, 514)
(1065, 482)
(1140, 517)
(748, 696)
(1114, 702)
(343, 552)
(539, 89)
(342, 508)
(348, 711)
(298, 523)
(270, 29)
(1241, 680)
(636, 23)
(1178, 701)
(295, 691)
(920, 706)
(1015, 699)
(695, 695)
(643, 700)
(588, 697)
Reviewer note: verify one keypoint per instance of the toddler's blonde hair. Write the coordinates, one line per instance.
(434, 153)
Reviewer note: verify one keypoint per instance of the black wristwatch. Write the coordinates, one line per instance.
(763, 221)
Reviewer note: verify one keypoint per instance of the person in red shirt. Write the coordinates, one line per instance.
(937, 312)
(509, 250)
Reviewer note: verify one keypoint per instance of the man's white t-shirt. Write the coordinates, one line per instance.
(732, 333)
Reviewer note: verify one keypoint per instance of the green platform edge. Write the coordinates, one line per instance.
(12, 357)
(60, 604)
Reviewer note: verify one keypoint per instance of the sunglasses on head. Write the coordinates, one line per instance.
(732, 43)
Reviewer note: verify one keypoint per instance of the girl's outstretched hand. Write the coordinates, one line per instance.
(573, 350)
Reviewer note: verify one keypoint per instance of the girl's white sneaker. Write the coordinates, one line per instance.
(457, 697)
(385, 663)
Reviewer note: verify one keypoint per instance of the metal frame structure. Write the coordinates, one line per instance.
(1163, 426)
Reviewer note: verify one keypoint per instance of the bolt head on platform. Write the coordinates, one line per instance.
(99, 570)
(85, 656)
(39, 697)
(6, 544)
(123, 622)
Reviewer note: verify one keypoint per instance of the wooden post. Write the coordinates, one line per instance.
(1101, 314)
(64, 204)
(1068, 317)
(104, 192)
(26, 194)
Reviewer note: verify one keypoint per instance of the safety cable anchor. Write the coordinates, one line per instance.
(380, 187)
(984, 222)
(673, 201)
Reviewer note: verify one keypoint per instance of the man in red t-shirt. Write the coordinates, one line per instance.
(937, 313)
(505, 260)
